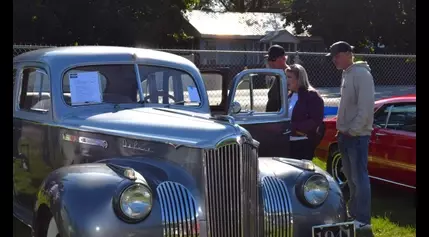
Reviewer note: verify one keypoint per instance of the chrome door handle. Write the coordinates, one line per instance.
(380, 134)
(250, 112)
(287, 132)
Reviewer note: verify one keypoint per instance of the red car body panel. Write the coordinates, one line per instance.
(392, 153)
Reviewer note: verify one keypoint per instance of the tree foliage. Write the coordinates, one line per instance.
(112, 22)
(358, 21)
(244, 5)
(160, 22)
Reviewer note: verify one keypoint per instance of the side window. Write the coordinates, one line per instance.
(403, 117)
(213, 84)
(35, 92)
(380, 117)
(163, 85)
(259, 93)
(242, 95)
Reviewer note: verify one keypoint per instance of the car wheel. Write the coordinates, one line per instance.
(335, 168)
(52, 229)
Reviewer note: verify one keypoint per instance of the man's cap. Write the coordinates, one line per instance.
(275, 51)
(339, 47)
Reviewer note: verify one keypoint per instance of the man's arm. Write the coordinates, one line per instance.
(273, 104)
(364, 86)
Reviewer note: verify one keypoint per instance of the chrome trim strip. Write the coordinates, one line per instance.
(206, 191)
(261, 121)
(392, 182)
(139, 82)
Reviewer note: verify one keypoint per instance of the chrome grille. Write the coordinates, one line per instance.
(178, 210)
(277, 208)
(232, 191)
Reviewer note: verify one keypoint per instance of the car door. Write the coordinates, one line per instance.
(31, 114)
(247, 103)
(217, 82)
(396, 143)
(377, 156)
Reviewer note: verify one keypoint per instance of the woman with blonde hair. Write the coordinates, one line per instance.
(305, 110)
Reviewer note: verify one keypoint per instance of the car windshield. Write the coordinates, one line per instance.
(117, 84)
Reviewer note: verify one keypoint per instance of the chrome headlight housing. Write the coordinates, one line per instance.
(313, 190)
(134, 203)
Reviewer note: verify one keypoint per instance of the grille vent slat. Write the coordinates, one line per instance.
(232, 194)
(277, 208)
(178, 210)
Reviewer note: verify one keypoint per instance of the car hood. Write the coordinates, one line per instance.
(162, 125)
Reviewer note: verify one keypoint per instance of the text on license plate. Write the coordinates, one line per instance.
(346, 229)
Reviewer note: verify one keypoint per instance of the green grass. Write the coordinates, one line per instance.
(393, 212)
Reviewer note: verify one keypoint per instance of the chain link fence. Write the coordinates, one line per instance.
(393, 74)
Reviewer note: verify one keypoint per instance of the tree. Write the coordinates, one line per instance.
(358, 21)
(276, 6)
(109, 22)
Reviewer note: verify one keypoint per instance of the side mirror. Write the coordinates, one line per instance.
(235, 107)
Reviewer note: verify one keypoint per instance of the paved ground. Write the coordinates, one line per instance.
(331, 95)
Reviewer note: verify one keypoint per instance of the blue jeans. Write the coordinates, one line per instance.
(354, 153)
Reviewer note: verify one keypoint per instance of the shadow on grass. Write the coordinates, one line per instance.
(392, 203)
(397, 205)
(387, 201)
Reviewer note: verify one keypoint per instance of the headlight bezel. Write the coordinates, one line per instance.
(118, 198)
(303, 181)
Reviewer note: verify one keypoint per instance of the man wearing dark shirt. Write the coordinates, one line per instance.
(276, 59)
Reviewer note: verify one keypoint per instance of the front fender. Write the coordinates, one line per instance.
(80, 199)
(279, 180)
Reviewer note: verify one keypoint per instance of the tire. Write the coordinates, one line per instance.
(52, 229)
(334, 168)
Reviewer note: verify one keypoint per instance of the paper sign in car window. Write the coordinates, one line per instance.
(193, 94)
(85, 88)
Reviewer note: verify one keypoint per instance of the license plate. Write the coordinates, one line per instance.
(345, 229)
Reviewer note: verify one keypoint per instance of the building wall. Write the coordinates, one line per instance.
(230, 44)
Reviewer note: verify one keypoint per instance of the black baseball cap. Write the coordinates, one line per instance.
(275, 51)
(339, 47)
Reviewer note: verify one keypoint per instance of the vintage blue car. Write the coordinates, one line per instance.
(114, 141)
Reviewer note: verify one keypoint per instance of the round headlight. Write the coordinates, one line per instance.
(316, 189)
(136, 202)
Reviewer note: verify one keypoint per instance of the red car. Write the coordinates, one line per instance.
(392, 149)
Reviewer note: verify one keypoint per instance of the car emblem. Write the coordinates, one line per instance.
(94, 142)
(85, 140)
(135, 145)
